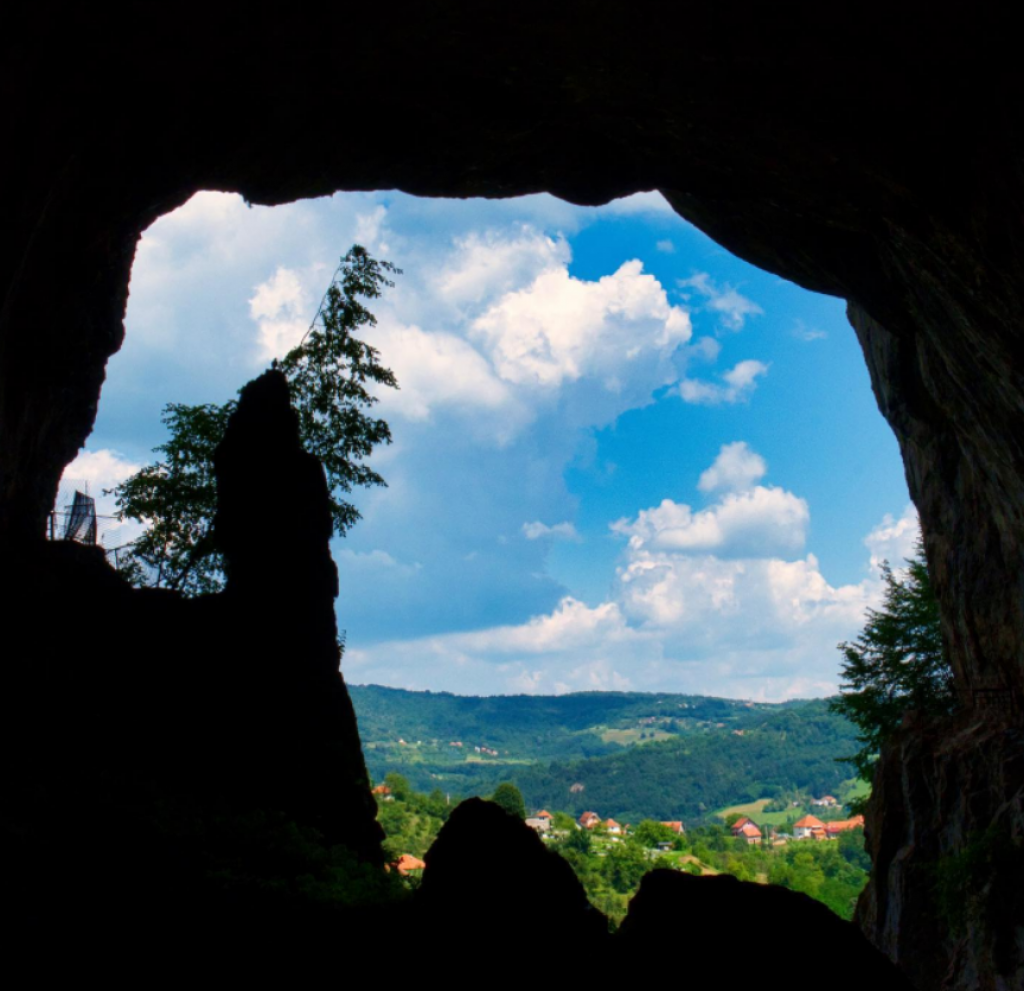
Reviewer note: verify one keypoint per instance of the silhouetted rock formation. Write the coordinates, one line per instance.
(273, 525)
(491, 880)
(746, 931)
(181, 766)
(872, 155)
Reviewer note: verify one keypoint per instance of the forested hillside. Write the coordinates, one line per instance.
(538, 727)
(636, 755)
(790, 750)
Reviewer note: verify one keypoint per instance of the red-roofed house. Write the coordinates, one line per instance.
(833, 829)
(749, 832)
(808, 827)
(589, 820)
(614, 829)
(544, 814)
(676, 827)
(407, 863)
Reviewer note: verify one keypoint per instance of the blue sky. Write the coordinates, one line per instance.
(623, 458)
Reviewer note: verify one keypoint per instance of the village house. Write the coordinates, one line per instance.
(825, 802)
(676, 827)
(589, 820)
(383, 793)
(614, 829)
(833, 829)
(539, 824)
(408, 864)
(749, 831)
(808, 828)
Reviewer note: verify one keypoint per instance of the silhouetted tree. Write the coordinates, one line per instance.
(328, 374)
(897, 663)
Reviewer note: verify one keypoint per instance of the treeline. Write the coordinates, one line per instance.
(795, 749)
(535, 727)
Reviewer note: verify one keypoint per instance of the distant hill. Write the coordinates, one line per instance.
(688, 778)
(637, 755)
(535, 727)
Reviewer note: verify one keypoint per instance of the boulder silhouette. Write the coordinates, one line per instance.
(749, 929)
(488, 873)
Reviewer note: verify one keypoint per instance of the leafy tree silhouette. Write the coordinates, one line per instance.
(897, 662)
(329, 374)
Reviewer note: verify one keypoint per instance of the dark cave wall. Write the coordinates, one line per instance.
(803, 140)
(875, 154)
(946, 837)
(186, 768)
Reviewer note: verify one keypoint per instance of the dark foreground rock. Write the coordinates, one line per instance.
(753, 933)
(177, 767)
(491, 880)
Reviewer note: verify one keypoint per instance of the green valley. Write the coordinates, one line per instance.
(629, 756)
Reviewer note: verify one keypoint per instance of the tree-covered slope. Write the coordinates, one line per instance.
(636, 755)
(791, 749)
(536, 726)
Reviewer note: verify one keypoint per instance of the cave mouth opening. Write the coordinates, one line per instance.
(888, 187)
(624, 459)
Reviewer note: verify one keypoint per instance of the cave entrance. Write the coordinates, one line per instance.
(624, 462)
(624, 459)
(871, 158)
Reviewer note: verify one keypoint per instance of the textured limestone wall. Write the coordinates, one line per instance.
(946, 835)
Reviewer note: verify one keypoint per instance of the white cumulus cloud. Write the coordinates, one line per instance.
(507, 332)
(737, 467)
(282, 309)
(756, 522)
(560, 531)
(740, 383)
(375, 560)
(894, 540)
(732, 308)
(102, 469)
(437, 370)
(561, 328)
(486, 264)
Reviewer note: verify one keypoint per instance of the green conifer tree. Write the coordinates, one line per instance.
(897, 663)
